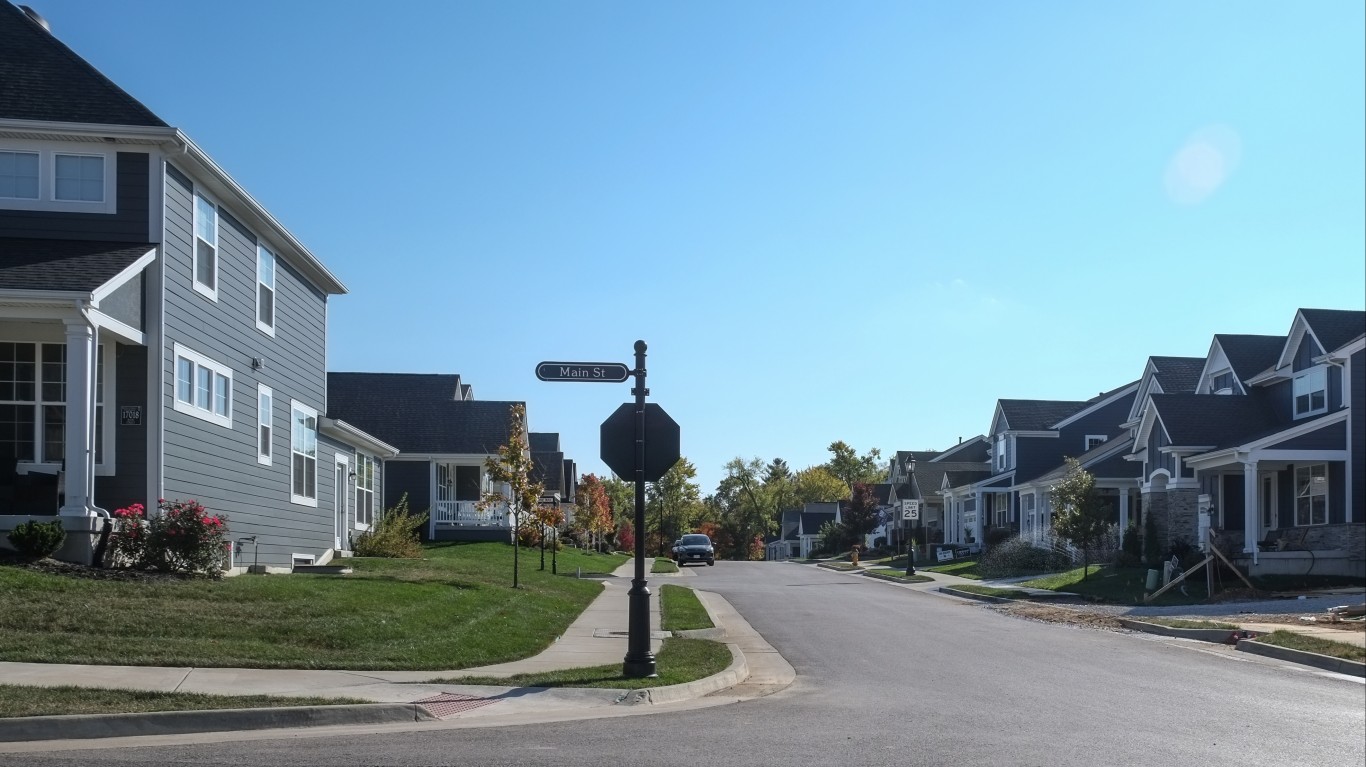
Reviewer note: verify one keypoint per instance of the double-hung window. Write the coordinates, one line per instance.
(265, 407)
(365, 490)
(33, 393)
(303, 448)
(1311, 392)
(265, 290)
(1311, 495)
(205, 247)
(203, 387)
(18, 175)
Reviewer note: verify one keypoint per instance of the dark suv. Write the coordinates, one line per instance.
(695, 547)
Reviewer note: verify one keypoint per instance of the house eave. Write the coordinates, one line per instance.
(110, 133)
(349, 434)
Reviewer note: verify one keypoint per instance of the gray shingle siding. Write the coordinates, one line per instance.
(129, 222)
(211, 463)
(1358, 439)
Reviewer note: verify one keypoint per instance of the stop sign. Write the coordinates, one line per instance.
(619, 442)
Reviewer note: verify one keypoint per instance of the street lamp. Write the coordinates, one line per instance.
(910, 544)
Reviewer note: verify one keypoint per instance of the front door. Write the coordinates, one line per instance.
(339, 495)
(1266, 502)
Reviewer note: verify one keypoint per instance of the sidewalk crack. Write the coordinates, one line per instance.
(188, 671)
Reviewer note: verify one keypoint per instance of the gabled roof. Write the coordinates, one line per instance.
(964, 477)
(1334, 328)
(813, 520)
(418, 412)
(1102, 400)
(1206, 420)
(1177, 375)
(65, 265)
(971, 449)
(1099, 455)
(1036, 414)
(548, 469)
(929, 477)
(42, 79)
(543, 441)
(882, 491)
(1250, 355)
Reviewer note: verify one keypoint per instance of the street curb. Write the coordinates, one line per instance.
(951, 591)
(715, 634)
(1217, 636)
(894, 578)
(735, 673)
(1325, 662)
(86, 726)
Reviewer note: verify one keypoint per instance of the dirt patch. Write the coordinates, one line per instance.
(1294, 620)
(1057, 614)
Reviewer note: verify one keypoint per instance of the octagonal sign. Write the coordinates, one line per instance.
(662, 442)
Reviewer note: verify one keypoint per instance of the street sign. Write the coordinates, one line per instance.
(910, 509)
(662, 444)
(600, 372)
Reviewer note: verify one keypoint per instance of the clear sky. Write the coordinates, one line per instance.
(863, 220)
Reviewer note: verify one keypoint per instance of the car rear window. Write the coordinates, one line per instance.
(696, 540)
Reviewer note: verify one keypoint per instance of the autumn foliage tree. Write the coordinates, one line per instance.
(512, 466)
(862, 515)
(593, 510)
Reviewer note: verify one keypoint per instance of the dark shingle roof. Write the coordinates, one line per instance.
(1219, 421)
(959, 478)
(1178, 374)
(883, 492)
(971, 449)
(1250, 355)
(543, 441)
(929, 477)
(812, 521)
(1102, 455)
(74, 265)
(548, 469)
(418, 412)
(42, 79)
(1335, 327)
(1038, 414)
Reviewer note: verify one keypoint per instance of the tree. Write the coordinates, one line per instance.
(780, 487)
(863, 514)
(512, 466)
(745, 505)
(1078, 514)
(846, 464)
(674, 501)
(621, 497)
(593, 510)
(818, 485)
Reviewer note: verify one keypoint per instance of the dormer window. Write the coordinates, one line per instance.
(1311, 392)
(1222, 383)
(1094, 441)
(19, 175)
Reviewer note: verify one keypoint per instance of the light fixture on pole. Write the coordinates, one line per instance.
(913, 512)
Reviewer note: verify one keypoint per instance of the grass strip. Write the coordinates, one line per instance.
(991, 591)
(455, 608)
(662, 565)
(898, 575)
(963, 568)
(1117, 585)
(679, 660)
(1186, 623)
(20, 700)
(841, 566)
(681, 610)
(1294, 641)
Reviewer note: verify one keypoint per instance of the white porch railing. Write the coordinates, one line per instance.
(469, 513)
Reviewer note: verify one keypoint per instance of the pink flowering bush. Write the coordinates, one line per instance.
(184, 537)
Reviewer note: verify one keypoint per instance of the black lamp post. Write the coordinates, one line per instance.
(910, 544)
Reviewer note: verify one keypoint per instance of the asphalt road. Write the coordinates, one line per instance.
(890, 676)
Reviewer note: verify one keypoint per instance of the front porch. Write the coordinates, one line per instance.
(458, 511)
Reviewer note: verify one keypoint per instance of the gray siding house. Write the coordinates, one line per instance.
(162, 334)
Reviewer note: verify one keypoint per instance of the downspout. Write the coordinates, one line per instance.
(83, 308)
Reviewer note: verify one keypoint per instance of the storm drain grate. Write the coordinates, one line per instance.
(449, 704)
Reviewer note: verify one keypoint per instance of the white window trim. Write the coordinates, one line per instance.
(361, 459)
(208, 292)
(1215, 375)
(190, 408)
(268, 457)
(296, 406)
(1327, 497)
(47, 178)
(1294, 405)
(1100, 439)
(267, 328)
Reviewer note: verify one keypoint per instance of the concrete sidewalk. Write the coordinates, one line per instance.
(598, 637)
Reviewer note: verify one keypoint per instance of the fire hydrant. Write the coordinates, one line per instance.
(853, 555)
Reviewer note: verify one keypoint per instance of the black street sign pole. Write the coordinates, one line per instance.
(640, 662)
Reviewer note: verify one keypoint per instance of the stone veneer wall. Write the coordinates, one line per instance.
(1349, 537)
(1175, 514)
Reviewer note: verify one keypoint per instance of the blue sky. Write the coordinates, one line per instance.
(862, 221)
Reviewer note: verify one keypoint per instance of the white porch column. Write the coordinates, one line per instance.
(1251, 526)
(979, 527)
(80, 411)
(1123, 510)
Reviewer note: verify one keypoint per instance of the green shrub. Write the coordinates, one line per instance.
(184, 537)
(997, 535)
(1131, 548)
(1017, 556)
(395, 534)
(35, 540)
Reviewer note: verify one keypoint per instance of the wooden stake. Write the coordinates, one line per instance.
(1176, 580)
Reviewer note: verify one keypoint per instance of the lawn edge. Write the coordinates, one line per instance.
(1217, 636)
(1304, 657)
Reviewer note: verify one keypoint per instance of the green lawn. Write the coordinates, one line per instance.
(1314, 644)
(899, 575)
(679, 660)
(453, 609)
(662, 565)
(19, 700)
(963, 568)
(991, 591)
(1123, 585)
(680, 610)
